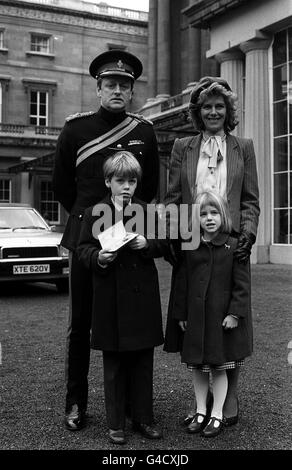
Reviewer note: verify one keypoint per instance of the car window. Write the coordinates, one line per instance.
(20, 219)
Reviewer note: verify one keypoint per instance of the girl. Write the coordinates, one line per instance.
(211, 302)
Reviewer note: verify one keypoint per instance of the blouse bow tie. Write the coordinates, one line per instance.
(213, 149)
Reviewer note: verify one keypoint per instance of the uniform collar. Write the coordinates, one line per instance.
(111, 118)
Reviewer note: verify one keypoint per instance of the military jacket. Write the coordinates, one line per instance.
(78, 186)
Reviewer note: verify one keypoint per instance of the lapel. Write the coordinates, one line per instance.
(231, 160)
(192, 158)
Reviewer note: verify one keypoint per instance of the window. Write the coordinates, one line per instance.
(1, 39)
(5, 190)
(49, 207)
(282, 109)
(38, 109)
(40, 43)
(40, 100)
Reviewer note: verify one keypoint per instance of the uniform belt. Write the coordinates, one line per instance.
(106, 139)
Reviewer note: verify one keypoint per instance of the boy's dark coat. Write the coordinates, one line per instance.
(209, 285)
(126, 300)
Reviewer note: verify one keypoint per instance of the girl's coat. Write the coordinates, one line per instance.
(210, 284)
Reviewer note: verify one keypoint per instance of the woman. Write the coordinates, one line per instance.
(214, 160)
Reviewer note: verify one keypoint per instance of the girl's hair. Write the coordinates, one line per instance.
(215, 200)
(230, 98)
(123, 164)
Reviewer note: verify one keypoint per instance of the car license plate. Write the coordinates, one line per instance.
(31, 269)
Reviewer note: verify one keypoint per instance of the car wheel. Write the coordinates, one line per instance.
(62, 286)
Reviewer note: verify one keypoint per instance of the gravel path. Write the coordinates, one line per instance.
(32, 335)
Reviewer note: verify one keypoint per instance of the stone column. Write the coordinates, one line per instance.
(232, 69)
(194, 58)
(257, 127)
(152, 49)
(163, 48)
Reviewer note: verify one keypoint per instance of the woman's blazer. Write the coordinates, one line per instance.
(242, 181)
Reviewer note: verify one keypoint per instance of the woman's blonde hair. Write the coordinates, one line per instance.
(209, 198)
(230, 98)
(123, 164)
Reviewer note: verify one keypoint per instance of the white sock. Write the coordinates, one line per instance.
(201, 385)
(220, 385)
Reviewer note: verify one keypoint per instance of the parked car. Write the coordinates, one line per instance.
(30, 250)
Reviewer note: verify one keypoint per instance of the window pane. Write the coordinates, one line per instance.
(290, 177)
(281, 154)
(280, 83)
(33, 96)
(43, 97)
(280, 48)
(281, 190)
(280, 118)
(5, 195)
(33, 121)
(33, 109)
(42, 110)
(42, 122)
(290, 234)
(281, 226)
(49, 207)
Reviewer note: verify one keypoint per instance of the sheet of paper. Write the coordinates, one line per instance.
(115, 237)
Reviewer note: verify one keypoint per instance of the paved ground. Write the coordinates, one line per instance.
(32, 331)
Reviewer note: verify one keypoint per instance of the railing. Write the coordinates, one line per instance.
(29, 130)
(101, 8)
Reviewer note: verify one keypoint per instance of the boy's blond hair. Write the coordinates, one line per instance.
(124, 164)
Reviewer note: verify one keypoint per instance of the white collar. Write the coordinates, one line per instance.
(118, 206)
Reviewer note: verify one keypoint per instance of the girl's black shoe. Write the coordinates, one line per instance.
(196, 426)
(213, 428)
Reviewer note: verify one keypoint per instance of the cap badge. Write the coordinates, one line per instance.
(120, 64)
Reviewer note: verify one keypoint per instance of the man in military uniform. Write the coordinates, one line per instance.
(86, 140)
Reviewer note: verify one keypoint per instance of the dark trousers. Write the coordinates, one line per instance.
(78, 338)
(128, 374)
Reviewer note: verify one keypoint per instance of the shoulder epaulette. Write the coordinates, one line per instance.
(78, 115)
(140, 118)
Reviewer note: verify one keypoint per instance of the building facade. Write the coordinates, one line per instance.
(251, 41)
(46, 47)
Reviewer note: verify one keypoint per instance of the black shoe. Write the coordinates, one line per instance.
(211, 430)
(232, 419)
(75, 418)
(147, 430)
(188, 419)
(195, 426)
(117, 436)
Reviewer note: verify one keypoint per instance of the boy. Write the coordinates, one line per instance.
(126, 319)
